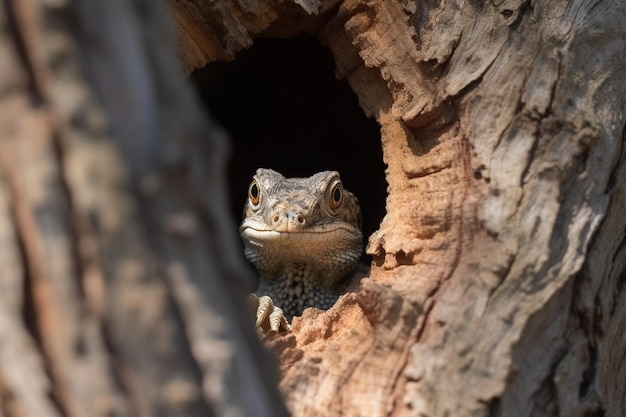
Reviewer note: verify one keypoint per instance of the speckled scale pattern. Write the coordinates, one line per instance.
(320, 244)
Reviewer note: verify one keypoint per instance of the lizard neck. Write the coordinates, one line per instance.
(299, 286)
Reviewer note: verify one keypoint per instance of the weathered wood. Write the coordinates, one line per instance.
(124, 291)
(497, 279)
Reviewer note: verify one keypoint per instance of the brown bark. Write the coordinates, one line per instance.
(498, 272)
(122, 286)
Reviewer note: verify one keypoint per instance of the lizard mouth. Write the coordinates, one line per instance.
(293, 236)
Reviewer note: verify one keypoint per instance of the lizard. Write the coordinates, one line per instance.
(304, 237)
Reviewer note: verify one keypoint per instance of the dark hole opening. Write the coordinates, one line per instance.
(284, 109)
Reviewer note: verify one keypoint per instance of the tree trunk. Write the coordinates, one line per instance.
(497, 282)
(122, 284)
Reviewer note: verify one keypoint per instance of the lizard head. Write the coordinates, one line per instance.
(314, 222)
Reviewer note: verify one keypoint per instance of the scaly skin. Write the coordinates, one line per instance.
(304, 237)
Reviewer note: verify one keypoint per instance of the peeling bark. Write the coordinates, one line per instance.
(497, 277)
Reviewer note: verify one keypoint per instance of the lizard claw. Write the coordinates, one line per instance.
(268, 314)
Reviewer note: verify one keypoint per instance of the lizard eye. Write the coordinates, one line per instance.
(254, 193)
(336, 195)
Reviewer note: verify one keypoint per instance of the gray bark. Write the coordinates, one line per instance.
(122, 286)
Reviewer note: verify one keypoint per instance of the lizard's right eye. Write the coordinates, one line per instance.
(254, 193)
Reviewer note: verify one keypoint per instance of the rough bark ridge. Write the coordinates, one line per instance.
(498, 273)
(212, 31)
(114, 298)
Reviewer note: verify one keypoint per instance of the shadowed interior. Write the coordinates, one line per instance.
(284, 109)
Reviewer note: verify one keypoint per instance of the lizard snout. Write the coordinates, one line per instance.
(288, 220)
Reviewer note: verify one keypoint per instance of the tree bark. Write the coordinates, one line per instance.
(122, 286)
(497, 282)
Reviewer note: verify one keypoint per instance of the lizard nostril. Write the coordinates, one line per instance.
(300, 219)
(275, 218)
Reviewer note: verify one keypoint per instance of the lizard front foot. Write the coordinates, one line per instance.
(267, 314)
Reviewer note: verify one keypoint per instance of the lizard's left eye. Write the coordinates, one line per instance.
(254, 193)
(336, 196)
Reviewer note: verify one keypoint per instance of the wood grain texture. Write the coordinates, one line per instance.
(110, 254)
